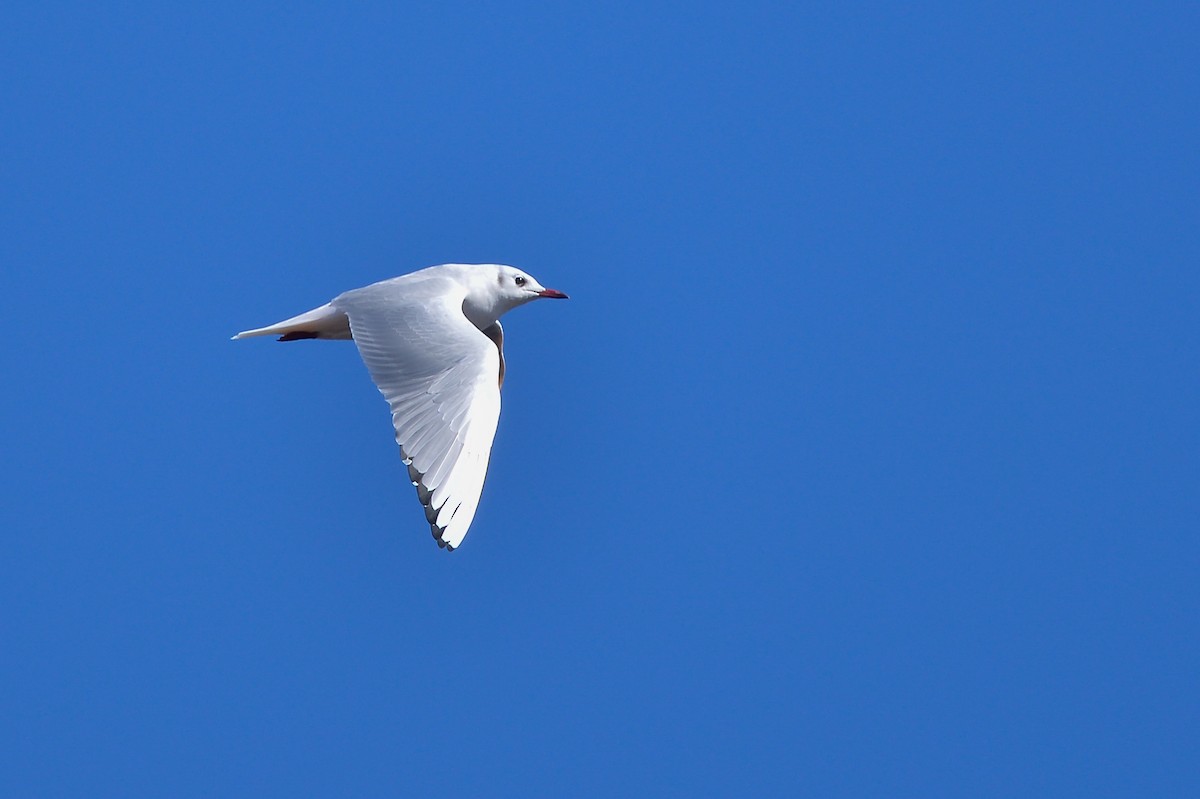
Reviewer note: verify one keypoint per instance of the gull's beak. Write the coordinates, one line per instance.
(552, 293)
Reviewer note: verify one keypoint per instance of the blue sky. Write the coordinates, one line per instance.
(862, 462)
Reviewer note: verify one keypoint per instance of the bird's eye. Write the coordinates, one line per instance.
(520, 281)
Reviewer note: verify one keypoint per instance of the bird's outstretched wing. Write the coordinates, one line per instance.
(439, 374)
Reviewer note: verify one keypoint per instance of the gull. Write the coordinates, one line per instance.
(433, 344)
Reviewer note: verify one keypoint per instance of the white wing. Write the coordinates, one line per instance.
(439, 374)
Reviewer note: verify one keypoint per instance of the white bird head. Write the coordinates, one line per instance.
(520, 287)
(495, 289)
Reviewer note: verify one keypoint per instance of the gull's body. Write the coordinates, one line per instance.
(433, 344)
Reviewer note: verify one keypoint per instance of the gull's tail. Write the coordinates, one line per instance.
(324, 322)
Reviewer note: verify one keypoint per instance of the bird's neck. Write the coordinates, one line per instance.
(482, 307)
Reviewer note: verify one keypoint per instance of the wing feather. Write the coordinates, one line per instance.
(438, 373)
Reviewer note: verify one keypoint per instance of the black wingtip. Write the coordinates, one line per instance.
(296, 335)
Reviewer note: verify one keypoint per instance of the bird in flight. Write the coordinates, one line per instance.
(433, 344)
